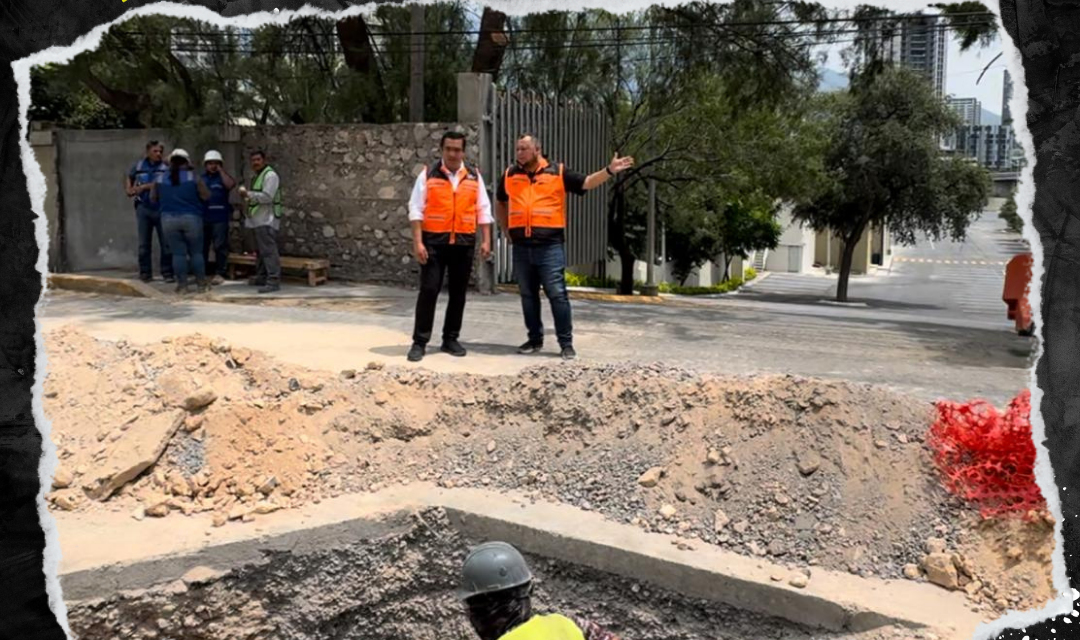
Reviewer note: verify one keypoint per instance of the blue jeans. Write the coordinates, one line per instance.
(185, 235)
(149, 222)
(544, 265)
(216, 237)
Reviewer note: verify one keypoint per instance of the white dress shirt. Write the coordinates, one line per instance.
(419, 197)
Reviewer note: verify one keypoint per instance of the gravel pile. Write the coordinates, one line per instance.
(804, 472)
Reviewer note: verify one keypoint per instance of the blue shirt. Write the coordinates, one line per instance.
(217, 207)
(146, 172)
(180, 199)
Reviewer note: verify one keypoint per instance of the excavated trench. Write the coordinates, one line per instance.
(393, 580)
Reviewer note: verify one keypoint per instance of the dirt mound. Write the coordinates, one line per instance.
(807, 472)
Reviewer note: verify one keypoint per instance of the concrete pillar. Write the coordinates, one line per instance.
(474, 95)
(43, 143)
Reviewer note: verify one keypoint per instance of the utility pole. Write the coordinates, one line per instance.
(651, 288)
(416, 63)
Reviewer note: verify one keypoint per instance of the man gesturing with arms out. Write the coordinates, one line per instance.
(532, 212)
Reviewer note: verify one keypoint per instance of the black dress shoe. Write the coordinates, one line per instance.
(416, 353)
(530, 347)
(453, 347)
(568, 353)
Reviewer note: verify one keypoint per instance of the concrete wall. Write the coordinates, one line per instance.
(99, 227)
(347, 189)
(43, 144)
(830, 256)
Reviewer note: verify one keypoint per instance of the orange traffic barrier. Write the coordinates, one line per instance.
(1017, 281)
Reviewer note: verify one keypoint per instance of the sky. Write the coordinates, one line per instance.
(961, 72)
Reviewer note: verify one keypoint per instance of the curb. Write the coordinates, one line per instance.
(832, 600)
(102, 285)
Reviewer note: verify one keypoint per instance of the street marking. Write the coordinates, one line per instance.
(942, 261)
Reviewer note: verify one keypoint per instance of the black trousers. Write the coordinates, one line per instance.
(443, 259)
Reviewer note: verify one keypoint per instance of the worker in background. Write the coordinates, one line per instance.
(137, 184)
(532, 212)
(449, 203)
(180, 196)
(496, 588)
(216, 218)
(264, 209)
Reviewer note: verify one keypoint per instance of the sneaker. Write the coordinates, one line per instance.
(269, 288)
(568, 353)
(416, 353)
(217, 280)
(530, 347)
(453, 347)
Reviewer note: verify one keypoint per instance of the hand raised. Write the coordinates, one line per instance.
(618, 165)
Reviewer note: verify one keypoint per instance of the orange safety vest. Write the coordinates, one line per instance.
(449, 214)
(537, 202)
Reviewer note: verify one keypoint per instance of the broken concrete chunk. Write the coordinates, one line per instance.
(651, 478)
(125, 459)
(202, 397)
(808, 462)
(940, 570)
(62, 479)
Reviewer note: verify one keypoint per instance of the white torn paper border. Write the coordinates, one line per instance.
(267, 14)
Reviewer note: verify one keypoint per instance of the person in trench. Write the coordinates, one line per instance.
(496, 589)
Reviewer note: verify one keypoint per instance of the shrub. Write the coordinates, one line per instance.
(988, 458)
(750, 273)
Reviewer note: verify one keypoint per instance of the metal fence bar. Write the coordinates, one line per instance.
(570, 133)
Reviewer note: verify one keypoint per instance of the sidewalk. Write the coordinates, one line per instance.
(120, 283)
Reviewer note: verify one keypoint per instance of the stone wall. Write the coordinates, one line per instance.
(347, 189)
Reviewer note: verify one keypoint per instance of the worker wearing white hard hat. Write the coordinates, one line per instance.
(181, 195)
(218, 212)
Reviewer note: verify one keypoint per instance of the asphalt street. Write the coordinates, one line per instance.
(930, 328)
(947, 281)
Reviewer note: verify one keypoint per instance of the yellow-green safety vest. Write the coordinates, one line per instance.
(550, 627)
(257, 184)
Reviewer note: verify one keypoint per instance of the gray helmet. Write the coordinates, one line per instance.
(491, 567)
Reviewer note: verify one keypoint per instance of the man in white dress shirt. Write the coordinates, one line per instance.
(449, 204)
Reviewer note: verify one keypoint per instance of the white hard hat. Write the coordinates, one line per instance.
(179, 153)
(212, 156)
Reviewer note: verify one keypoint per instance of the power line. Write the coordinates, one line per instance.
(974, 18)
(397, 49)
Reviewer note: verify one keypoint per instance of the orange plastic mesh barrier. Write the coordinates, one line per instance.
(987, 457)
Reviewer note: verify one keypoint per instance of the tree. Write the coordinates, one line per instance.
(711, 224)
(1009, 214)
(885, 168)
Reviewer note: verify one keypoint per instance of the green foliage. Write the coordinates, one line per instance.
(707, 225)
(749, 274)
(884, 167)
(1010, 215)
(970, 29)
(592, 282)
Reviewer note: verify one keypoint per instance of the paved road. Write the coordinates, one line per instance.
(945, 280)
(930, 359)
(934, 326)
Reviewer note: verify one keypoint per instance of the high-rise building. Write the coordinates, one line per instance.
(1006, 97)
(992, 146)
(920, 45)
(970, 109)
